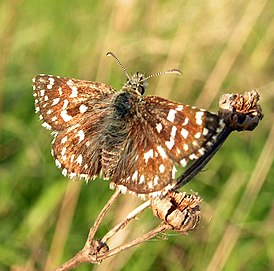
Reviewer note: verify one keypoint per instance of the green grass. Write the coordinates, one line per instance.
(221, 46)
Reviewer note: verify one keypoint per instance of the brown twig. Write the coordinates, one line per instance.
(126, 220)
(159, 229)
(92, 247)
(100, 217)
(95, 251)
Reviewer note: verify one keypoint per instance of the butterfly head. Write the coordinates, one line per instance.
(137, 83)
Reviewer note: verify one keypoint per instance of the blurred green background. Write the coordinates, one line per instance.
(221, 47)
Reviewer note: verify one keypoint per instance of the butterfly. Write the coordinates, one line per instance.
(136, 141)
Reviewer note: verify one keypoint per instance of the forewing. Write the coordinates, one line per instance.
(62, 101)
(75, 110)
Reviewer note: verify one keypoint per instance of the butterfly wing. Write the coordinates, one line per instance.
(165, 134)
(75, 111)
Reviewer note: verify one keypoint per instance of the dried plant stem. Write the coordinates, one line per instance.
(159, 229)
(85, 255)
(125, 221)
(100, 217)
(91, 251)
(72, 263)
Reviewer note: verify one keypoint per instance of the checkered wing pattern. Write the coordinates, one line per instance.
(75, 110)
(166, 134)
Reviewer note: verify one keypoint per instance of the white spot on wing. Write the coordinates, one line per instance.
(65, 116)
(60, 91)
(150, 185)
(84, 176)
(193, 156)
(161, 152)
(51, 81)
(57, 163)
(74, 92)
(65, 105)
(46, 125)
(197, 135)
(185, 122)
(221, 124)
(72, 158)
(171, 115)
(70, 83)
(184, 133)
(156, 180)
(198, 117)
(180, 107)
(173, 131)
(174, 170)
(205, 131)
(64, 172)
(55, 101)
(148, 155)
(83, 108)
(42, 92)
(79, 159)
(162, 168)
(81, 135)
(142, 179)
(63, 152)
(170, 143)
(183, 162)
(87, 143)
(185, 147)
(159, 127)
(72, 175)
(64, 139)
(135, 175)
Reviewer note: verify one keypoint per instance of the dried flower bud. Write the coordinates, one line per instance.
(180, 211)
(241, 112)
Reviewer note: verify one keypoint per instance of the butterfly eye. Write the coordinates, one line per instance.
(141, 90)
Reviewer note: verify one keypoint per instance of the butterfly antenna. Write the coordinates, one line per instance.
(160, 73)
(119, 62)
